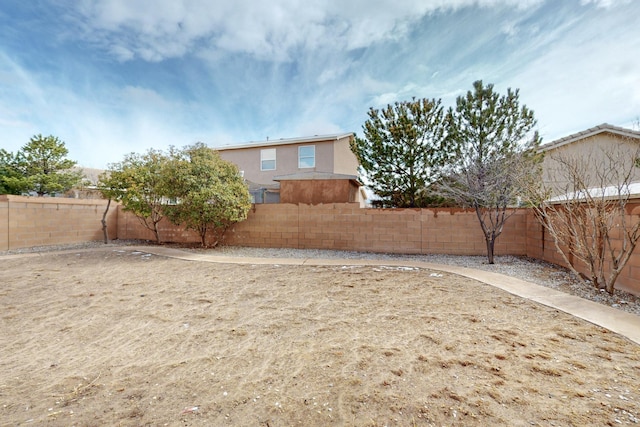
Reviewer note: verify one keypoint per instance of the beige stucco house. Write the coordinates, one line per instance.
(300, 164)
(592, 146)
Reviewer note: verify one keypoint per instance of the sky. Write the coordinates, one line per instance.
(110, 77)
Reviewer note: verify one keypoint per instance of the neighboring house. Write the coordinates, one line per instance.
(88, 187)
(315, 169)
(591, 145)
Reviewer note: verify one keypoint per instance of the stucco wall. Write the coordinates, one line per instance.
(248, 160)
(345, 162)
(318, 191)
(591, 155)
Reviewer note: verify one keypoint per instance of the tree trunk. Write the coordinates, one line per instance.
(104, 223)
(203, 236)
(489, 236)
(491, 241)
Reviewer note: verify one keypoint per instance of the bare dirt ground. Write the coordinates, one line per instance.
(118, 337)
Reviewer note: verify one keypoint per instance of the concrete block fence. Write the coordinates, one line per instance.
(43, 221)
(32, 221)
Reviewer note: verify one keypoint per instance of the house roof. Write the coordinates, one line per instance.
(255, 186)
(90, 174)
(631, 190)
(302, 176)
(286, 141)
(603, 128)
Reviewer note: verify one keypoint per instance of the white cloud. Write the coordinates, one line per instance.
(384, 99)
(99, 126)
(22, 103)
(319, 126)
(122, 53)
(246, 69)
(583, 78)
(604, 4)
(157, 29)
(139, 97)
(405, 93)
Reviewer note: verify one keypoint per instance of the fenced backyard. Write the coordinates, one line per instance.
(114, 335)
(31, 221)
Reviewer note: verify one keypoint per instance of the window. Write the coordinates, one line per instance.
(268, 159)
(307, 156)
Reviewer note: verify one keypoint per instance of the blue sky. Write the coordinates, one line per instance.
(110, 77)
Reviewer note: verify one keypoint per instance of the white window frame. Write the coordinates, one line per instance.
(268, 155)
(300, 157)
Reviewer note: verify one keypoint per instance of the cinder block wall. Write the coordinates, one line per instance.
(631, 274)
(41, 221)
(32, 221)
(345, 226)
(4, 223)
(268, 225)
(629, 279)
(130, 227)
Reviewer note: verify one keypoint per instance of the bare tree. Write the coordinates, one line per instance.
(496, 152)
(493, 188)
(584, 208)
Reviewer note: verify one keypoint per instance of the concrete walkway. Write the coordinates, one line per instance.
(618, 321)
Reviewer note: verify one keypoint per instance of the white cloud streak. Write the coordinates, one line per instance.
(154, 30)
(120, 75)
(583, 77)
(605, 4)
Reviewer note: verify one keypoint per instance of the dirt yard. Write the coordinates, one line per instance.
(117, 337)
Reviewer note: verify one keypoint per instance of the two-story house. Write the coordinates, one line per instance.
(315, 169)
